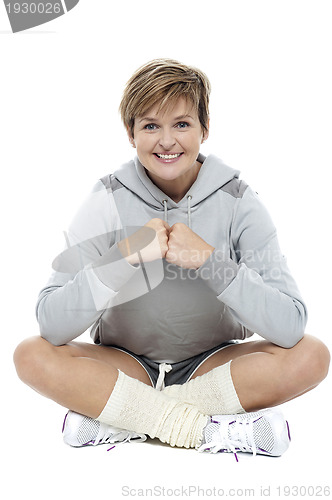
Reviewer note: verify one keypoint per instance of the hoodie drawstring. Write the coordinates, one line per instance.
(189, 198)
(165, 210)
(163, 369)
(189, 210)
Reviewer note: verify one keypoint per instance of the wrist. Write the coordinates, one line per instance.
(131, 258)
(206, 255)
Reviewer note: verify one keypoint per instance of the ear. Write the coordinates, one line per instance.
(206, 132)
(130, 137)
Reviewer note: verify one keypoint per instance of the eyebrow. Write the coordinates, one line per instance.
(152, 119)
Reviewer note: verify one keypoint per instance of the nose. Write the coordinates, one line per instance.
(167, 139)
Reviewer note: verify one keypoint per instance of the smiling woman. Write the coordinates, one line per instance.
(168, 146)
(168, 313)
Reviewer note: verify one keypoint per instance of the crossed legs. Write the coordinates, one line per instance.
(82, 376)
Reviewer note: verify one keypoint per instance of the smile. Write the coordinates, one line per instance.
(168, 157)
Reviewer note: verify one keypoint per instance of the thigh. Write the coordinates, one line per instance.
(116, 358)
(36, 355)
(235, 351)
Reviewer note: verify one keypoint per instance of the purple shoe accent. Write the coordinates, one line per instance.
(64, 422)
(261, 449)
(109, 449)
(289, 436)
(233, 422)
(214, 421)
(235, 455)
(257, 419)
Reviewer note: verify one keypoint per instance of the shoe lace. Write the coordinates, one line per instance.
(105, 435)
(237, 436)
(130, 436)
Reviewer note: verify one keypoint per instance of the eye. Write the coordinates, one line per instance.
(182, 124)
(150, 126)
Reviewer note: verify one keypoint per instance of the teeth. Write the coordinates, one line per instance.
(168, 157)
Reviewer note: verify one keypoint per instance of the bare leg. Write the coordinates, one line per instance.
(266, 375)
(78, 376)
(83, 377)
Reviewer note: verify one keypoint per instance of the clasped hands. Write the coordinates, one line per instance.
(177, 244)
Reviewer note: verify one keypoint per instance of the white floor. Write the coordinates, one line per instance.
(37, 464)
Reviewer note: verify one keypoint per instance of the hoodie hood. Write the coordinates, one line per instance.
(213, 174)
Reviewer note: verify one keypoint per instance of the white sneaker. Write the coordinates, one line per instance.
(79, 430)
(264, 432)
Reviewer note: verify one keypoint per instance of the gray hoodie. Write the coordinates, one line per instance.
(158, 309)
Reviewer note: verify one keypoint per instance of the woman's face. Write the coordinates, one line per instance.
(168, 144)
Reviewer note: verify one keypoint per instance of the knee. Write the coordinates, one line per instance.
(313, 359)
(30, 357)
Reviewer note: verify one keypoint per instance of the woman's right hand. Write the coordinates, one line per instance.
(145, 245)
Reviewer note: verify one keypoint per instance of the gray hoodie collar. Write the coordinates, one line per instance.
(212, 175)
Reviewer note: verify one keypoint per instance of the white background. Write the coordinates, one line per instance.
(269, 63)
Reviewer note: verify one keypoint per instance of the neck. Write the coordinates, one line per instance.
(177, 188)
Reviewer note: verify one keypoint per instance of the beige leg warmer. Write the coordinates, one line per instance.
(140, 408)
(212, 393)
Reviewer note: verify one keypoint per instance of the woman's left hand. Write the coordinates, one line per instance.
(185, 248)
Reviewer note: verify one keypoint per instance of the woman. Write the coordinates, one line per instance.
(172, 261)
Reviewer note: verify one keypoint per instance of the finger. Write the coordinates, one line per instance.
(169, 256)
(167, 227)
(171, 238)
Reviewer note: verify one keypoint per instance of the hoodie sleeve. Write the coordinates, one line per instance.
(87, 275)
(255, 283)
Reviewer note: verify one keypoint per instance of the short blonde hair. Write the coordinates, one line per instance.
(162, 81)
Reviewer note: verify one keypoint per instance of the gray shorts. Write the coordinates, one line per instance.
(164, 374)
